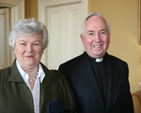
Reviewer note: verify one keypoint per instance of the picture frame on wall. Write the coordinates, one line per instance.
(139, 39)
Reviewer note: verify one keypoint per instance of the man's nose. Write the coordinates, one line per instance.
(97, 37)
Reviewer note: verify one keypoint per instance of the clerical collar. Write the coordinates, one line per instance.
(99, 59)
(95, 59)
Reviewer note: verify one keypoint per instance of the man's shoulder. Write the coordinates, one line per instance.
(116, 59)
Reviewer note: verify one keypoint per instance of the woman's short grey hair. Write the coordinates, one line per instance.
(28, 27)
(91, 15)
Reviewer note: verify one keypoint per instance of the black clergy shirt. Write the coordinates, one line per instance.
(100, 70)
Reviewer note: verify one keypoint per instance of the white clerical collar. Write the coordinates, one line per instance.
(99, 59)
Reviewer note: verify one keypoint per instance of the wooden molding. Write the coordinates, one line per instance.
(9, 3)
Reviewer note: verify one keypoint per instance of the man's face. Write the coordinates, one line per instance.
(96, 37)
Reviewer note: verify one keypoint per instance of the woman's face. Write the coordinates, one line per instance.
(28, 50)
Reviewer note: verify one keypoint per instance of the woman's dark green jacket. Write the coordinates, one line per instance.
(15, 96)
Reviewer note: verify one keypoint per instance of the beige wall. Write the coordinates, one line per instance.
(123, 17)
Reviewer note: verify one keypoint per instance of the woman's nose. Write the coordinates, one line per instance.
(29, 48)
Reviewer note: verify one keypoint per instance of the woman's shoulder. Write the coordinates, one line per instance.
(5, 71)
(57, 74)
(4, 74)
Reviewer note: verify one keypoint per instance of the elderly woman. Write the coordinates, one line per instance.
(28, 86)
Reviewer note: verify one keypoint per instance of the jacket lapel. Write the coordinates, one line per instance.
(89, 77)
(15, 75)
(48, 77)
(113, 81)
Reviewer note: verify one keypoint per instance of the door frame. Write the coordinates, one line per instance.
(9, 3)
(44, 4)
(17, 11)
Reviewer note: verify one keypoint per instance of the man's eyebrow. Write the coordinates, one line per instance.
(90, 31)
(103, 30)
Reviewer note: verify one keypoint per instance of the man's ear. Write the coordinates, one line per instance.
(13, 50)
(109, 38)
(81, 36)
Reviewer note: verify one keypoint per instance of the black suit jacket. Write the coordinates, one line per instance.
(79, 73)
